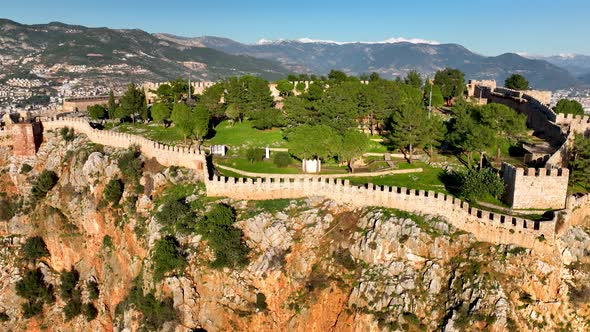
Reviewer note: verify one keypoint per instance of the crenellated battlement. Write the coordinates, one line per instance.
(486, 226)
(165, 154)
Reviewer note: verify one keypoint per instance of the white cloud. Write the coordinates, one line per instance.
(321, 41)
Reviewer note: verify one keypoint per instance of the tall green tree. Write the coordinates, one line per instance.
(182, 118)
(413, 79)
(161, 113)
(407, 128)
(134, 102)
(285, 88)
(580, 161)
(451, 83)
(516, 82)
(233, 113)
(506, 122)
(97, 112)
(338, 107)
(354, 145)
(471, 134)
(437, 98)
(211, 99)
(317, 142)
(569, 106)
(201, 119)
(112, 105)
(434, 133)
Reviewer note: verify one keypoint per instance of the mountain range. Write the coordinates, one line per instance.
(58, 43)
(164, 56)
(577, 64)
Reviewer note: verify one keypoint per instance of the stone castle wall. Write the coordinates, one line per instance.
(164, 154)
(81, 104)
(486, 226)
(532, 188)
(535, 188)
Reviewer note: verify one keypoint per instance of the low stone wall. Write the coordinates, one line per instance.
(485, 226)
(164, 154)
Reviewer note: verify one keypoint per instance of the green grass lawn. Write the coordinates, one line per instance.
(155, 132)
(429, 179)
(265, 166)
(242, 134)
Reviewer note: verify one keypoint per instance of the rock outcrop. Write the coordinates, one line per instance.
(313, 265)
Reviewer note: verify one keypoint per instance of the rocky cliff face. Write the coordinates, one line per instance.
(312, 265)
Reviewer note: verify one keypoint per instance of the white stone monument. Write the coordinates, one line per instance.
(266, 153)
(311, 165)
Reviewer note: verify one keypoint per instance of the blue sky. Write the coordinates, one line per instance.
(487, 27)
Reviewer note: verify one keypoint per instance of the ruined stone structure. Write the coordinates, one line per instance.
(22, 133)
(535, 188)
(196, 88)
(26, 137)
(81, 104)
(546, 187)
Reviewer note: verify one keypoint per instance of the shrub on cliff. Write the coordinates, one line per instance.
(130, 165)
(282, 159)
(25, 168)
(92, 289)
(225, 239)
(90, 311)
(155, 312)
(113, 191)
(72, 309)
(35, 248)
(44, 183)
(33, 288)
(68, 282)
(67, 134)
(176, 216)
(167, 256)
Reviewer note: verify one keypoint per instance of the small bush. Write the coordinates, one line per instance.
(72, 309)
(90, 311)
(167, 256)
(67, 134)
(225, 239)
(476, 184)
(254, 154)
(155, 312)
(93, 290)
(32, 308)
(176, 216)
(130, 165)
(113, 191)
(45, 182)
(282, 159)
(261, 302)
(35, 248)
(68, 282)
(107, 242)
(25, 168)
(33, 288)
(7, 209)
